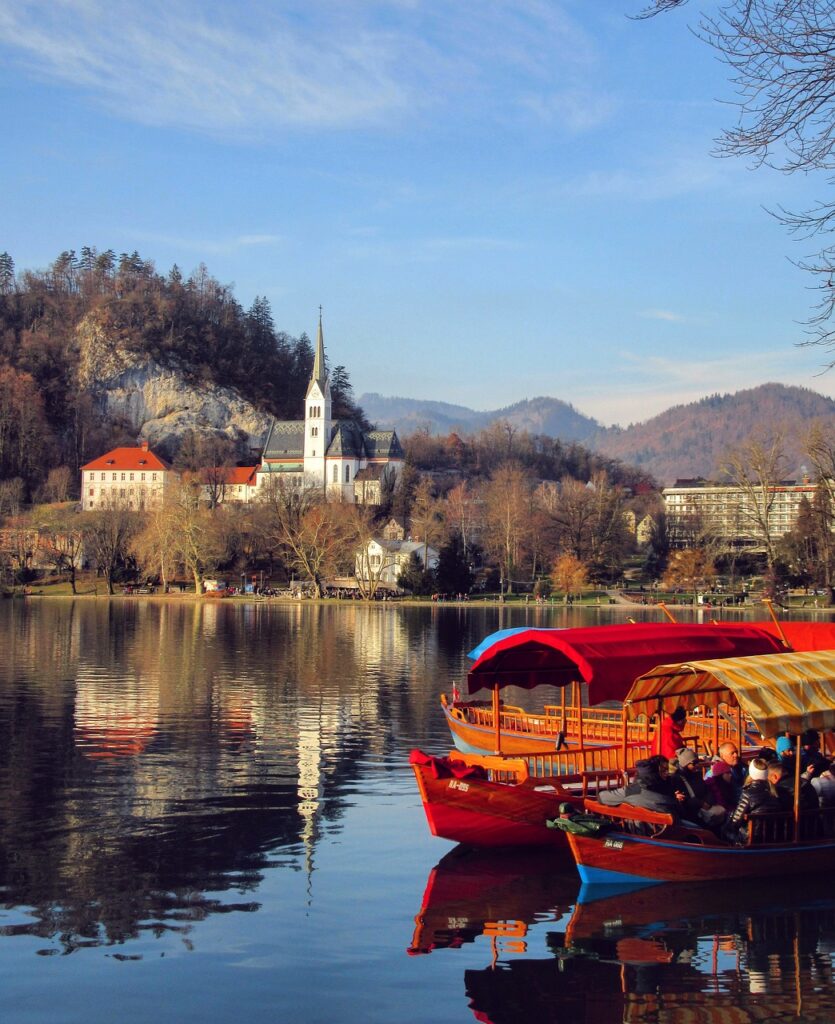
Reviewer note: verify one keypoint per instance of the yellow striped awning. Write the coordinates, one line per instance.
(780, 692)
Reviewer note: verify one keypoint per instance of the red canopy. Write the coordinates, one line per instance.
(803, 636)
(610, 658)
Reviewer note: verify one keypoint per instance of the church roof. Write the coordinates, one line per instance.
(284, 438)
(383, 444)
(346, 440)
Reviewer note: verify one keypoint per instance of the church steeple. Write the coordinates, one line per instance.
(320, 375)
(317, 413)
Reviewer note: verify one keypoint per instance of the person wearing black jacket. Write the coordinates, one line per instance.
(758, 797)
(697, 806)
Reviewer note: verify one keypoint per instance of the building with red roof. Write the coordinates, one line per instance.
(133, 478)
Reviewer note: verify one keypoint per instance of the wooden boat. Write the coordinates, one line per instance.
(603, 661)
(499, 801)
(606, 659)
(783, 692)
(482, 800)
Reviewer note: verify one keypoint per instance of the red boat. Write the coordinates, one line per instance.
(607, 659)
(784, 692)
(487, 801)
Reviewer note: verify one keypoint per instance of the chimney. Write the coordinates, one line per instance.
(143, 444)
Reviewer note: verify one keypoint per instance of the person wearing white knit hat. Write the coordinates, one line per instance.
(758, 797)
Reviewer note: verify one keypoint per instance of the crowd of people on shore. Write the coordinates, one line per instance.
(725, 793)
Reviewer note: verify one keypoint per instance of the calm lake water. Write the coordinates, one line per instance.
(206, 814)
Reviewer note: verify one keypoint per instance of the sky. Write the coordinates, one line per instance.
(491, 200)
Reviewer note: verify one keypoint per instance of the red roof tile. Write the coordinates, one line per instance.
(127, 458)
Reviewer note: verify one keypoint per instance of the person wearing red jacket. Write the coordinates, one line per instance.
(670, 734)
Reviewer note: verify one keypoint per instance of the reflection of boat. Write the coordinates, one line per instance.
(607, 659)
(698, 954)
(471, 893)
(782, 692)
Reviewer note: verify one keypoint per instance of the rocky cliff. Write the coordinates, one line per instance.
(156, 402)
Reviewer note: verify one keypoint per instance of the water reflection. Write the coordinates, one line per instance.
(156, 759)
(706, 953)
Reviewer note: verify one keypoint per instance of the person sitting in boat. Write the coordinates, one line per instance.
(697, 806)
(824, 786)
(670, 734)
(785, 748)
(722, 784)
(650, 788)
(759, 796)
(782, 777)
(812, 761)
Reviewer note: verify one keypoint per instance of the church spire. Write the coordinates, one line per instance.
(319, 372)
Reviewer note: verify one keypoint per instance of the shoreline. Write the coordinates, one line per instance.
(479, 602)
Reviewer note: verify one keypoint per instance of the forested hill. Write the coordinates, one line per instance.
(51, 320)
(690, 440)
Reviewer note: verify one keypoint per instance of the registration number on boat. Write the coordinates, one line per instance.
(457, 784)
(613, 844)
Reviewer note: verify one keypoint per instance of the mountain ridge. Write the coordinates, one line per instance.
(686, 440)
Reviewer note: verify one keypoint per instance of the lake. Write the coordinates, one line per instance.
(207, 814)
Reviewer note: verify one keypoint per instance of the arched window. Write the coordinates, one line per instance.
(347, 474)
(336, 474)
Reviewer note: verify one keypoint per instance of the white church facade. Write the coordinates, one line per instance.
(337, 456)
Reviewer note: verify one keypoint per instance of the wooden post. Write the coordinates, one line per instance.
(716, 730)
(623, 725)
(579, 692)
(797, 790)
(739, 728)
(667, 612)
(497, 718)
(770, 605)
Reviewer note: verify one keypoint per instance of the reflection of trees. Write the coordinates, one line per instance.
(154, 756)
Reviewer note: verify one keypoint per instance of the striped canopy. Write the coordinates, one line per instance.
(779, 692)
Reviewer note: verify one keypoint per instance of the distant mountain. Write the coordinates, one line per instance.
(685, 441)
(690, 440)
(536, 415)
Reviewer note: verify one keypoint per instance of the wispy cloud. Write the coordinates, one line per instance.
(263, 67)
(205, 246)
(661, 314)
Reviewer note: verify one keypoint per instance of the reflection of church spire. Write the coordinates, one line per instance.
(310, 781)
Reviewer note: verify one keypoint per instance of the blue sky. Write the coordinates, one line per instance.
(491, 201)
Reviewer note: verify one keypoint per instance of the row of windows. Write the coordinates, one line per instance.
(113, 476)
(315, 410)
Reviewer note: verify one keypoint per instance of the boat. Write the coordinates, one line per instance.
(604, 658)
(507, 800)
(780, 693)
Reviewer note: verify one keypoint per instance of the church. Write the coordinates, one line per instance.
(337, 456)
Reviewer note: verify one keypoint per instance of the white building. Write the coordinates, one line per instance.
(728, 511)
(338, 456)
(133, 478)
(382, 561)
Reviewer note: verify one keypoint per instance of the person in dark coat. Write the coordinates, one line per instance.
(759, 796)
(697, 805)
(721, 780)
(783, 780)
(650, 789)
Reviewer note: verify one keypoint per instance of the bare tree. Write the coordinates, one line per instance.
(313, 534)
(107, 533)
(196, 535)
(426, 519)
(780, 56)
(756, 468)
(63, 540)
(506, 510)
(689, 569)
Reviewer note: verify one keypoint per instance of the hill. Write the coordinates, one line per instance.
(685, 441)
(549, 416)
(690, 440)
